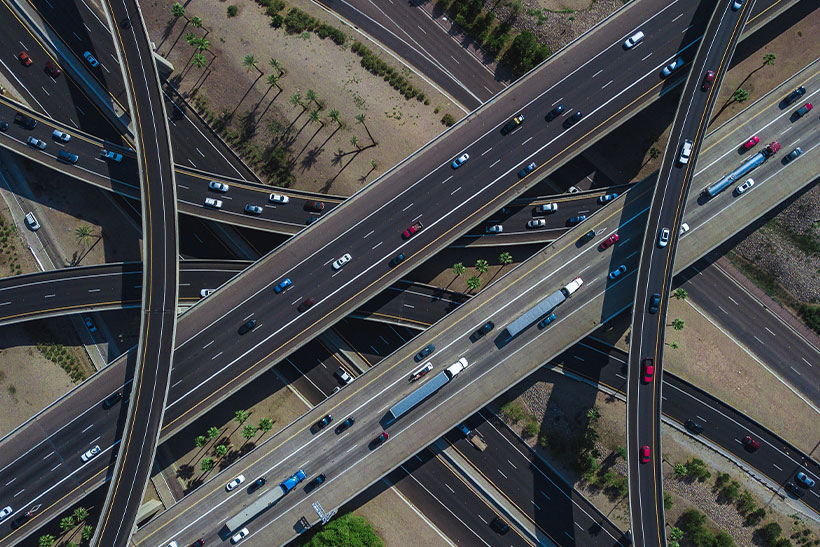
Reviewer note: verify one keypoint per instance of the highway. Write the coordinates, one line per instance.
(655, 271)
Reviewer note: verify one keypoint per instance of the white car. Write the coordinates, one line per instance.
(546, 208)
(737, 4)
(745, 186)
(31, 222)
(237, 537)
(206, 292)
(343, 375)
(341, 261)
(536, 223)
(633, 40)
(234, 483)
(684, 228)
(91, 453)
(215, 203)
(218, 186)
(279, 198)
(685, 152)
(7, 510)
(494, 229)
(672, 67)
(111, 155)
(61, 136)
(663, 238)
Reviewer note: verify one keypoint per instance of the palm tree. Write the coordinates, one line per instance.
(505, 259)
(334, 115)
(202, 44)
(482, 266)
(680, 293)
(458, 269)
(199, 61)
(314, 117)
(46, 541)
(373, 164)
(200, 441)
(360, 119)
(474, 283)
(248, 432)
(250, 62)
(84, 234)
(768, 59)
(196, 22)
(66, 524)
(310, 96)
(273, 80)
(677, 323)
(354, 141)
(740, 95)
(88, 532)
(190, 38)
(296, 100)
(177, 9)
(221, 450)
(213, 432)
(265, 425)
(80, 513)
(241, 416)
(207, 464)
(674, 345)
(276, 64)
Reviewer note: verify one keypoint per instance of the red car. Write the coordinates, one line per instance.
(24, 58)
(648, 370)
(53, 69)
(707, 80)
(412, 229)
(381, 438)
(610, 241)
(750, 443)
(645, 454)
(751, 142)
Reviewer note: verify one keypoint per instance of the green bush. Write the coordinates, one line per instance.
(692, 520)
(347, 529)
(696, 470)
(448, 120)
(232, 11)
(513, 411)
(755, 517)
(667, 500)
(770, 532)
(811, 315)
(531, 429)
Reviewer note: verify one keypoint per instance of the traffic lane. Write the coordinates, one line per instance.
(313, 370)
(420, 305)
(371, 342)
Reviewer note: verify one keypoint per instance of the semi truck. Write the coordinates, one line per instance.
(746, 167)
(428, 388)
(264, 501)
(542, 308)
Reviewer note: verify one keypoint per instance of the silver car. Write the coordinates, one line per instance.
(61, 136)
(633, 40)
(341, 261)
(7, 510)
(672, 67)
(212, 202)
(253, 209)
(218, 186)
(36, 143)
(663, 238)
(91, 453)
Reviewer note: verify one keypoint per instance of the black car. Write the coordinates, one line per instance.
(794, 490)
(425, 352)
(487, 327)
(247, 326)
(257, 484)
(4, 126)
(499, 525)
(125, 23)
(794, 95)
(112, 399)
(655, 303)
(512, 124)
(694, 427)
(26, 121)
(573, 119)
(554, 113)
(398, 259)
(345, 424)
(323, 422)
(316, 482)
(586, 237)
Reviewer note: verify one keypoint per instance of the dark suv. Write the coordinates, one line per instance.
(112, 400)
(485, 328)
(573, 119)
(247, 326)
(794, 95)
(554, 113)
(345, 424)
(655, 303)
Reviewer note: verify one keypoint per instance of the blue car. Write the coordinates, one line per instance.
(606, 198)
(91, 59)
(792, 155)
(285, 283)
(527, 170)
(614, 274)
(576, 220)
(461, 160)
(546, 321)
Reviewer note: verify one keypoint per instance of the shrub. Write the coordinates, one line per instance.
(755, 517)
(692, 520)
(232, 11)
(770, 532)
(680, 470)
(514, 412)
(531, 429)
(276, 21)
(448, 120)
(696, 470)
(811, 315)
(347, 529)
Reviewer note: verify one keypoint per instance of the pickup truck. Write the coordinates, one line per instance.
(412, 229)
(474, 437)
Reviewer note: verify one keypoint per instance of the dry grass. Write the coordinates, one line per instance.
(386, 510)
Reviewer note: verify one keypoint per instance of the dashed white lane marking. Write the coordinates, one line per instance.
(606, 84)
(795, 370)
(724, 311)
(11, 481)
(20, 492)
(647, 57)
(536, 505)
(368, 234)
(448, 488)
(94, 290)
(406, 208)
(50, 296)
(597, 72)
(733, 300)
(526, 141)
(496, 161)
(208, 344)
(769, 331)
(778, 467)
(543, 494)
(47, 456)
(678, 17)
(200, 151)
(56, 466)
(502, 473)
(804, 359)
(758, 339)
(456, 190)
(87, 428)
(579, 358)
(556, 102)
(702, 419)
(217, 355)
(487, 150)
(374, 246)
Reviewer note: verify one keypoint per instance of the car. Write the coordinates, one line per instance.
(494, 229)
(198, 543)
(311, 220)
(737, 4)
(610, 241)
(748, 145)
(684, 228)
(499, 526)
(53, 70)
(614, 274)
(323, 422)
(694, 427)
(282, 285)
(645, 454)
(803, 110)
(576, 220)
(91, 453)
(572, 120)
(343, 375)
(427, 350)
(791, 156)
(341, 261)
(527, 170)
(419, 373)
(345, 424)
(633, 40)
(536, 223)
(317, 481)
(218, 186)
(750, 443)
(305, 305)
(5, 512)
(648, 366)
(412, 230)
(206, 292)
(89, 323)
(708, 79)
(213, 202)
(672, 67)
(383, 436)
(67, 157)
(546, 208)
(794, 490)
(125, 23)
(24, 58)
(279, 198)
(485, 328)
(36, 143)
(252, 209)
(111, 155)
(607, 198)
(586, 237)
(31, 222)
(512, 124)
(745, 186)
(805, 479)
(685, 152)
(4, 126)
(234, 483)
(654, 302)
(663, 237)
(554, 113)
(315, 206)
(247, 326)
(112, 399)
(91, 59)
(461, 160)
(546, 321)
(396, 260)
(237, 537)
(794, 95)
